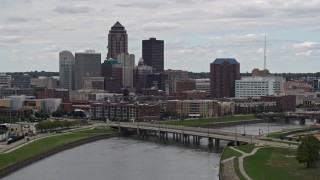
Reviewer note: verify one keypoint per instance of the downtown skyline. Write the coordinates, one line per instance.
(194, 32)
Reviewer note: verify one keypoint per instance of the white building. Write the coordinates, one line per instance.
(203, 85)
(66, 70)
(127, 62)
(45, 82)
(4, 78)
(51, 104)
(258, 86)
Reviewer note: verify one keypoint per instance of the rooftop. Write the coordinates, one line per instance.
(117, 26)
(221, 60)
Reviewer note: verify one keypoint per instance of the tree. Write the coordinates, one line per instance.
(308, 151)
(42, 114)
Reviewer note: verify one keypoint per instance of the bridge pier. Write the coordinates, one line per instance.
(142, 134)
(217, 143)
(318, 120)
(302, 121)
(196, 140)
(286, 120)
(185, 139)
(210, 142)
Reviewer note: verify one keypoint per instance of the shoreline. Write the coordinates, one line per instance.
(21, 164)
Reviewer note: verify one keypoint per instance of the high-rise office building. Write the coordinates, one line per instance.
(127, 62)
(66, 70)
(111, 70)
(117, 41)
(153, 54)
(223, 74)
(87, 62)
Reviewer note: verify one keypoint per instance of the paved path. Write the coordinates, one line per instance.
(229, 159)
(243, 172)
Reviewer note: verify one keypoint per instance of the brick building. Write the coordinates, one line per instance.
(284, 103)
(223, 74)
(63, 94)
(129, 112)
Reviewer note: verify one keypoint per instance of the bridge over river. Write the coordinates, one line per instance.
(184, 134)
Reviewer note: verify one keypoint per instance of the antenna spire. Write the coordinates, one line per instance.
(265, 52)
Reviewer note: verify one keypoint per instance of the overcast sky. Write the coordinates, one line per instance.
(33, 32)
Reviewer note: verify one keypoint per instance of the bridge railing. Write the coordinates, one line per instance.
(175, 127)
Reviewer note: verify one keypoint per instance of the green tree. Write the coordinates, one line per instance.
(308, 151)
(42, 114)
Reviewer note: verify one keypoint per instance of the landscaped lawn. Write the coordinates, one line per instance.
(228, 153)
(46, 144)
(272, 163)
(246, 148)
(199, 122)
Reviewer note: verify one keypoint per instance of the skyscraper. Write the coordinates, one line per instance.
(87, 62)
(66, 70)
(223, 74)
(127, 63)
(153, 54)
(117, 41)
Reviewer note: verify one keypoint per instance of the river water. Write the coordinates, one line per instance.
(123, 158)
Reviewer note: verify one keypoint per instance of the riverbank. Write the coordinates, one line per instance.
(250, 162)
(45, 147)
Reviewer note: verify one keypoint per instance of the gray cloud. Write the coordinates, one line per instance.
(191, 29)
(159, 26)
(18, 19)
(10, 39)
(143, 4)
(72, 10)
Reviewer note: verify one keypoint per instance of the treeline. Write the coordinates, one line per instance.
(44, 126)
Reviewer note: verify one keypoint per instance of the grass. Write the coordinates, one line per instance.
(284, 133)
(197, 122)
(45, 144)
(228, 153)
(246, 148)
(271, 163)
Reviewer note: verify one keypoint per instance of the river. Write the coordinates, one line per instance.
(124, 158)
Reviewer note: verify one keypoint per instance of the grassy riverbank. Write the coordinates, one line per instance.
(205, 121)
(45, 144)
(277, 163)
(287, 132)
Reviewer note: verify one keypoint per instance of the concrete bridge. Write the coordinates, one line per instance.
(184, 134)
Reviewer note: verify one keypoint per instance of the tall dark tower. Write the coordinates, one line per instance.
(117, 41)
(223, 74)
(153, 54)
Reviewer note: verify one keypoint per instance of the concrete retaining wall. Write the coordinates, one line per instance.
(14, 167)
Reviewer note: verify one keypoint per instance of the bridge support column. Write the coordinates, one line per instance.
(286, 120)
(119, 129)
(318, 121)
(302, 121)
(173, 136)
(210, 142)
(166, 136)
(217, 143)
